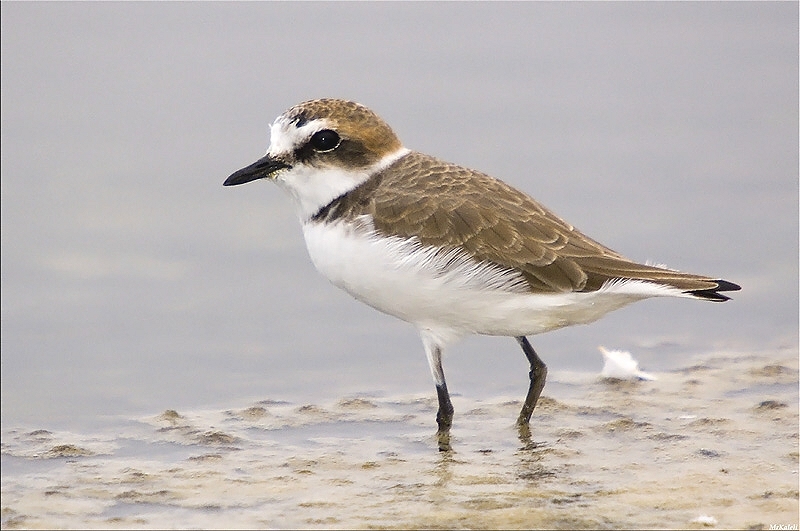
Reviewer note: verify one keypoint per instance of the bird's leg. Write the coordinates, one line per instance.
(444, 416)
(538, 375)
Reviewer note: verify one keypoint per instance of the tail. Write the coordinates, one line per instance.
(713, 294)
(603, 269)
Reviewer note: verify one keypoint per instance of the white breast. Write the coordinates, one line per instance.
(450, 292)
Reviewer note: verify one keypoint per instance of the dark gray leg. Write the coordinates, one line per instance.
(444, 416)
(538, 375)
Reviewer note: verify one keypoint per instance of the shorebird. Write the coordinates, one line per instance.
(448, 249)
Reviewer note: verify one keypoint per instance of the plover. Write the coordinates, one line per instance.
(448, 249)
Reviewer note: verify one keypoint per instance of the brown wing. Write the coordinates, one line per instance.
(444, 204)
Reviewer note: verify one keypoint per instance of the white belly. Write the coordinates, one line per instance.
(452, 294)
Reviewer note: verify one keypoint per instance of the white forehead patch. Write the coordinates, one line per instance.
(285, 136)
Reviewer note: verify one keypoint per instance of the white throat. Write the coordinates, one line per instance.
(313, 188)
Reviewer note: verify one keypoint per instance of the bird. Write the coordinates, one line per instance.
(449, 249)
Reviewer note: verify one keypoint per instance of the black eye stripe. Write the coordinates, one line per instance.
(325, 140)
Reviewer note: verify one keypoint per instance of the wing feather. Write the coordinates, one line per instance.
(442, 204)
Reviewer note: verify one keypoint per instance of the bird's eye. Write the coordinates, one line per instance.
(325, 140)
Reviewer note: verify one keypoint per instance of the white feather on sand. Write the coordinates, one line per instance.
(705, 520)
(621, 365)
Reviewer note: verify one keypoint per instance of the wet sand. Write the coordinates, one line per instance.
(713, 445)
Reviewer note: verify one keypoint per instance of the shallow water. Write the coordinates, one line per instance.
(714, 444)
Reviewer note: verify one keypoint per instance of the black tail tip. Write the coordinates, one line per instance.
(713, 293)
